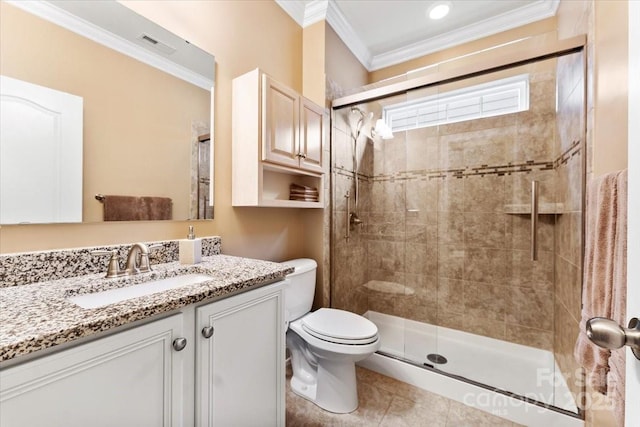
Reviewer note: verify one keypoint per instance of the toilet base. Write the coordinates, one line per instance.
(324, 372)
(335, 389)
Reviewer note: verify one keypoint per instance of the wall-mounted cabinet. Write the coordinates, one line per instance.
(278, 140)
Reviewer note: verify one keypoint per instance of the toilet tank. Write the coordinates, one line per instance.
(300, 288)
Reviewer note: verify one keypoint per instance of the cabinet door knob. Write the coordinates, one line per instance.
(207, 331)
(179, 344)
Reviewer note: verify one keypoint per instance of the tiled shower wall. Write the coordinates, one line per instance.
(437, 236)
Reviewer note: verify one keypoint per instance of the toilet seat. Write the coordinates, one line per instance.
(340, 327)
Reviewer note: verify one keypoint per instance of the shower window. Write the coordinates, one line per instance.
(494, 98)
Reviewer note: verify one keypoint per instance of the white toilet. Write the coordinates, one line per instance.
(325, 344)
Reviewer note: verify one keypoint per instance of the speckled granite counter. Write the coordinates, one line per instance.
(38, 315)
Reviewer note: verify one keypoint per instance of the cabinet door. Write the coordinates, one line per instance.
(280, 116)
(132, 378)
(240, 368)
(311, 136)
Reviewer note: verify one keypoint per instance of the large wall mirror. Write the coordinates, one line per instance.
(130, 122)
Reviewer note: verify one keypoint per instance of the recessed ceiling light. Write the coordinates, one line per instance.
(439, 10)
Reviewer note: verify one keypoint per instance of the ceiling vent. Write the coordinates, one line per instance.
(154, 43)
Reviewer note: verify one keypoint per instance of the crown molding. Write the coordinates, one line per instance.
(310, 12)
(315, 11)
(522, 16)
(295, 9)
(99, 35)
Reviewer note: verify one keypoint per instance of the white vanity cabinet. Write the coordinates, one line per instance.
(132, 378)
(230, 375)
(277, 140)
(240, 361)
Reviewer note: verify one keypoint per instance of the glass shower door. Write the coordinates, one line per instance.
(441, 257)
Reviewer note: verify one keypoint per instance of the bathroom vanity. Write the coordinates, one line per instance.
(209, 353)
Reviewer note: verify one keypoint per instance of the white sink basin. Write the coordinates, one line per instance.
(112, 296)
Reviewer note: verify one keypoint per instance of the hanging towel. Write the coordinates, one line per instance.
(158, 208)
(605, 282)
(133, 208)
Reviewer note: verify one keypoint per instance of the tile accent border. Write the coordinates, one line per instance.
(468, 171)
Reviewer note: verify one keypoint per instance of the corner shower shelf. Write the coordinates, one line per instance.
(543, 209)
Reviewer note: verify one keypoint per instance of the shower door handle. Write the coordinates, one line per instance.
(347, 224)
(534, 220)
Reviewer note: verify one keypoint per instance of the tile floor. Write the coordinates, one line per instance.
(385, 401)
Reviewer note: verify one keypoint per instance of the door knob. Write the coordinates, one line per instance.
(606, 333)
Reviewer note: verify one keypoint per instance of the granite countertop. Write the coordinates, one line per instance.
(38, 315)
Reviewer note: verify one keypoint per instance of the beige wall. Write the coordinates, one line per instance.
(343, 69)
(313, 62)
(130, 128)
(609, 86)
(235, 32)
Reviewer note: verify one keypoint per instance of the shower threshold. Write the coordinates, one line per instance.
(516, 382)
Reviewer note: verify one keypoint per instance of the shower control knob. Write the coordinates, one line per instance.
(207, 331)
(606, 333)
(179, 344)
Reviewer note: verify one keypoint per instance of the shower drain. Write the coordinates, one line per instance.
(437, 358)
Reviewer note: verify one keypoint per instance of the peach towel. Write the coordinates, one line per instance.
(605, 282)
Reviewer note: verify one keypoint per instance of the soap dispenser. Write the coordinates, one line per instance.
(190, 248)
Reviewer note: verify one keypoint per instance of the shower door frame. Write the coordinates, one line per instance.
(552, 49)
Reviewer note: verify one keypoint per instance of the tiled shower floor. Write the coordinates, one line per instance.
(385, 401)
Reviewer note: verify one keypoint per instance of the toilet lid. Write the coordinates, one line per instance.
(340, 326)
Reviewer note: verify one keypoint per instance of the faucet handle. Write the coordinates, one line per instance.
(113, 269)
(145, 265)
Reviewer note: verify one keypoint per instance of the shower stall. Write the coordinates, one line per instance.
(460, 234)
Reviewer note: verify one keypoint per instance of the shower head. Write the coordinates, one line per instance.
(358, 119)
(361, 117)
(380, 128)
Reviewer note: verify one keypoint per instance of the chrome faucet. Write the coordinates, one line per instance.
(137, 259)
